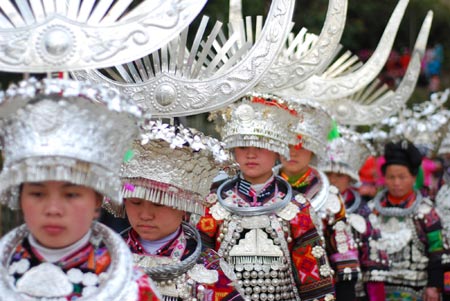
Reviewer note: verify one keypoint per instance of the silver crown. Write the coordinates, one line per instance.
(313, 127)
(346, 154)
(173, 166)
(44, 36)
(64, 131)
(258, 120)
(217, 69)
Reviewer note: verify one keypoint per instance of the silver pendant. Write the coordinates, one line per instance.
(45, 281)
(357, 222)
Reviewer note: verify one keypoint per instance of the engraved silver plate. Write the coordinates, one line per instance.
(45, 36)
(255, 222)
(202, 275)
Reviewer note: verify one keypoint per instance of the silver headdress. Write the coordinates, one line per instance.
(346, 154)
(347, 74)
(179, 80)
(173, 166)
(258, 120)
(45, 36)
(426, 124)
(64, 131)
(313, 127)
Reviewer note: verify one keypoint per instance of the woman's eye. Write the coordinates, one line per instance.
(72, 195)
(36, 194)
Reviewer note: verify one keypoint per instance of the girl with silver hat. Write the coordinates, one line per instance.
(63, 143)
(255, 222)
(312, 128)
(344, 157)
(411, 231)
(168, 176)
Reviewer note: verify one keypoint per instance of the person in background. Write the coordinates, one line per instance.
(314, 124)
(411, 230)
(345, 155)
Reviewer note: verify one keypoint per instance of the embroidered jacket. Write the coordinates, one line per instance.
(83, 268)
(340, 244)
(205, 281)
(374, 261)
(284, 238)
(411, 233)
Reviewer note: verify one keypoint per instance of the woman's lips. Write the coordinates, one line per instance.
(53, 229)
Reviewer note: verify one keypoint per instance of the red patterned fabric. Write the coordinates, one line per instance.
(86, 259)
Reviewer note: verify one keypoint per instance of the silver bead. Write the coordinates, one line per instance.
(246, 274)
(248, 290)
(254, 282)
(275, 282)
(239, 275)
(257, 289)
(263, 288)
(273, 274)
(255, 297)
(270, 297)
(260, 274)
(254, 274)
(271, 289)
(263, 297)
(246, 282)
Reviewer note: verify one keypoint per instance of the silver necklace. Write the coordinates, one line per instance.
(395, 211)
(118, 284)
(254, 211)
(172, 271)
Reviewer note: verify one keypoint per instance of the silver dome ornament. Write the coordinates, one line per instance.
(258, 120)
(172, 166)
(48, 129)
(77, 34)
(347, 75)
(178, 80)
(375, 102)
(346, 154)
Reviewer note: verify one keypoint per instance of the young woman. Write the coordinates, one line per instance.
(63, 143)
(167, 180)
(312, 130)
(411, 231)
(262, 229)
(345, 156)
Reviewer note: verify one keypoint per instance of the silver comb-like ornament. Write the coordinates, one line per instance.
(377, 101)
(55, 35)
(347, 74)
(218, 68)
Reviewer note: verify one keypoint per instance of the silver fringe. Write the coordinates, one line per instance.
(158, 193)
(57, 169)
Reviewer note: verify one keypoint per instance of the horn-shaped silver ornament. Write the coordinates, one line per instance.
(214, 71)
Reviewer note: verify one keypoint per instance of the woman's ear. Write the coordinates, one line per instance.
(98, 205)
